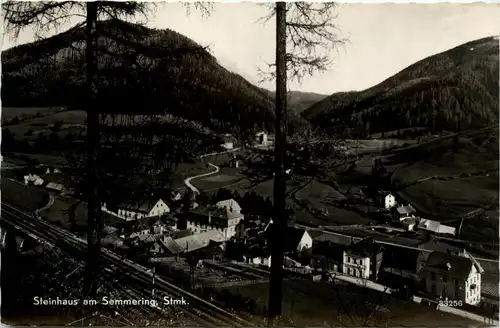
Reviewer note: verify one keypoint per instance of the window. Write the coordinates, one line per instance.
(445, 278)
(361, 262)
(433, 275)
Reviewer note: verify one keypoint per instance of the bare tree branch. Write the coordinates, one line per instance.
(311, 38)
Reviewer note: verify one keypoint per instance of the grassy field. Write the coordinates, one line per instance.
(186, 170)
(226, 177)
(22, 112)
(17, 194)
(454, 198)
(23, 159)
(58, 213)
(446, 158)
(320, 195)
(73, 121)
(316, 303)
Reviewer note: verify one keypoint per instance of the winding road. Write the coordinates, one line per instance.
(216, 170)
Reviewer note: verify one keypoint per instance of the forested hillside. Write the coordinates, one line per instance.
(298, 101)
(141, 70)
(454, 90)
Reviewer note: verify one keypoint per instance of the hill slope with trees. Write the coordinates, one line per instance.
(142, 71)
(454, 90)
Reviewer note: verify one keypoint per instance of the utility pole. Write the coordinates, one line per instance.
(279, 215)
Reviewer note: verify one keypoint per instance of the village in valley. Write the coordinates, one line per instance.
(168, 174)
(219, 238)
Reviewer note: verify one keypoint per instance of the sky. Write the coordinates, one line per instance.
(383, 38)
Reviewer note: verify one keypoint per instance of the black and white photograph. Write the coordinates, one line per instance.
(249, 164)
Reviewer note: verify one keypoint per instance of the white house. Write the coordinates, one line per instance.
(405, 211)
(258, 260)
(435, 227)
(175, 196)
(224, 218)
(454, 277)
(362, 259)
(297, 240)
(146, 209)
(390, 201)
(409, 223)
(228, 142)
(33, 179)
(198, 241)
(261, 138)
(52, 171)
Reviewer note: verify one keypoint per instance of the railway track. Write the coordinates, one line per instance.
(133, 274)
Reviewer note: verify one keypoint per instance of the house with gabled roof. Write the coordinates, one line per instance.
(435, 227)
(229, 204)
(294, 239)
(455, 277)
(201, 240)
(224, 218)
(138, 210)
(363, 259)
(405, 211)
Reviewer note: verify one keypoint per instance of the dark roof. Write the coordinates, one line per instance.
(366, 248)
(257, 251)
(328, 250)
(213, 248)
(142, 206)
(456, 266)
(440, 246)
(401, 258)
(406, 209)
(291, 237)
(215, 212)
(314, 233)
(170, 246)
(109, 230)
(181, 233)
(336, 239)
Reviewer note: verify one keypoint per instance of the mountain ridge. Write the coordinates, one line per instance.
(454, 90)
(177, 77)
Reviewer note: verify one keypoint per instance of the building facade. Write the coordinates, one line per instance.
(224, 217)
(145, 209)
(362, 259)
(390, 201)
(453, 277)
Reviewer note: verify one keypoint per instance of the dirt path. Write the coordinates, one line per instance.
(216, 170)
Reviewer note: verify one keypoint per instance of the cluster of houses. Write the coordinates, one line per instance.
(221, 231)
(51, 179)
(151, 227)
(407, 219)
(260, 139)
(451, 274)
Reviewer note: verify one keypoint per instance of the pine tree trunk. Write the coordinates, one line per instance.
(279, 215)
(93, 140)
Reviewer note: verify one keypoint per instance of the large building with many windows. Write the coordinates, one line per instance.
(454, 277)
(362, 259)
(223, 217)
